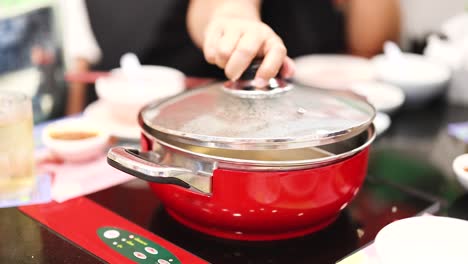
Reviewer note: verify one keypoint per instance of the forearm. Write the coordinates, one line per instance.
(370, 23)
(76, 90)
(200, 13)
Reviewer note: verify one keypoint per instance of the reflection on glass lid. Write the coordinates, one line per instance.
(300, 117)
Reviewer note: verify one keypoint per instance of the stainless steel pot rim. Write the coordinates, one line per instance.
(225, 162)
(252, 144)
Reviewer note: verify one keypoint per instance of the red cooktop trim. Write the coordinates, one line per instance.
(78, 220)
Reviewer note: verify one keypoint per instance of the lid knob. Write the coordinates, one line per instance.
(251, 71)
(244, 87)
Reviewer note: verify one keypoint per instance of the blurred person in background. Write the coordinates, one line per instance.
(207, 38)
(30, 60)
(20, 32)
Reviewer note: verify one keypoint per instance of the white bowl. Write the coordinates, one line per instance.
(381, 122)
(460, 167)
(76, 150)
(423, 239)
(125, 96)
(332, 71)
(384, 97)
(420, 78)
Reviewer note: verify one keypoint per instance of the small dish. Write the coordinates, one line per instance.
(75, 140)
(420, 78)
(460, 167)
(423, 239)
(384, 97)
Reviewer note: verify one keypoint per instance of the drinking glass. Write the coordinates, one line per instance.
(16, 144)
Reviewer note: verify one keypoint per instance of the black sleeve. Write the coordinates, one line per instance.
(306, 26)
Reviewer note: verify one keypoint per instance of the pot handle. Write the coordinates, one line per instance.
(143, 165)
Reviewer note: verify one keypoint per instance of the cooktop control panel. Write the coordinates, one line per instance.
(135, 247)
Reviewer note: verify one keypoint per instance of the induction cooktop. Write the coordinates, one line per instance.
(376, 205)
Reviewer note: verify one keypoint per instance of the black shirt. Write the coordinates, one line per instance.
(156, 31)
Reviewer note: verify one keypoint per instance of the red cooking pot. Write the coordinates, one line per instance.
(253, 163)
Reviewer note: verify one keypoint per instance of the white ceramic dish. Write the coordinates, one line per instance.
(332, 71)
(98, 112)
(460, 167)
(384, 97)
(423, 239)
(420, 78)
(126, 95)
(76, 150)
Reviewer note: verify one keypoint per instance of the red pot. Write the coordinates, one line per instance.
(248, 186)
(249, 205)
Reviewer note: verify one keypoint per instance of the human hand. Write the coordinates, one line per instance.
(232, 43)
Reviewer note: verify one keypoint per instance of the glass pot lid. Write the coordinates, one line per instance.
(236, 115)
(241, 116)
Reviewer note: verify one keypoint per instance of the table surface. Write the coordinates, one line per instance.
(413, 156)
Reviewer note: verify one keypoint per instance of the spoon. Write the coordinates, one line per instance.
(131, 66)
(393, 52)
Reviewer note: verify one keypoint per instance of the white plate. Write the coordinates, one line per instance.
(381, 123)
(332, 71)
(423, 239)
(384, 97)
(99, 113)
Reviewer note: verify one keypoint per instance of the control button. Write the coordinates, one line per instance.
(111, 234)
(151, 250)
(162, 261)
(139, 255)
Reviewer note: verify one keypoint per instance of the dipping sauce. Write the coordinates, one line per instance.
(465, 169)
(73, 135)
